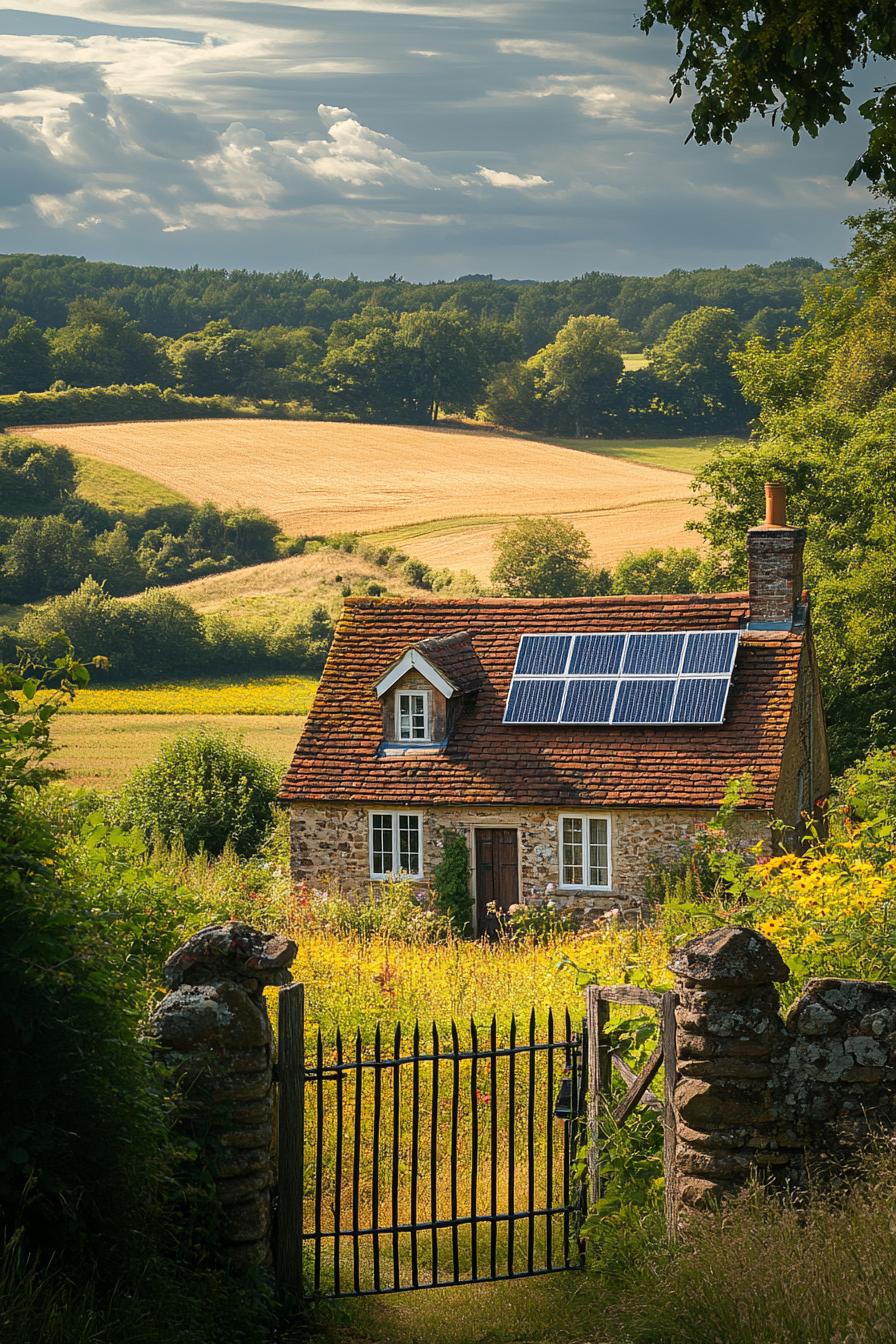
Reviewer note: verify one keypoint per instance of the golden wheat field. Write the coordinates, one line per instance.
(319, 477)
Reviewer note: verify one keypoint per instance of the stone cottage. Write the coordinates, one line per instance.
(572, 741)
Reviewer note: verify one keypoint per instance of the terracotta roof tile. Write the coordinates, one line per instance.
(488, 762)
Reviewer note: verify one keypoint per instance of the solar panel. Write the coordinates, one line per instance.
(649, 677)
(589, 701)
(534, 701)
(596, 655)
(542, 654)
(644, 700)
(710, 651)
(654, 655)
(700, 700)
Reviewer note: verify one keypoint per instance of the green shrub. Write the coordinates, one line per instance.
(868, 789)
(393, 910)
(142, 401)
(541, 921)
(205, 789)
(161, 635)
(35, 478)
(451, 881)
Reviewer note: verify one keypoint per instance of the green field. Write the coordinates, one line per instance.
(101, 750)
(212, 695)
(109, 731)
(686, 454)
(120, 489)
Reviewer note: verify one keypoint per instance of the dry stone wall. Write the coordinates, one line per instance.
(213, 1034)
(758, 1095)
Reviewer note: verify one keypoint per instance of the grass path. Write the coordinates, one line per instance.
(555, 1309)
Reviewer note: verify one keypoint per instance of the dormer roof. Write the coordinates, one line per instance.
(448, 662)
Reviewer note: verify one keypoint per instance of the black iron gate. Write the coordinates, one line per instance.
(425, 1162)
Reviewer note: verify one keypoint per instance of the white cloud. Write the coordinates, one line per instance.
(496, 178)
(354, 154)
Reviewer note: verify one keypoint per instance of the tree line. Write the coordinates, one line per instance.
(168, 302)
(378, 365)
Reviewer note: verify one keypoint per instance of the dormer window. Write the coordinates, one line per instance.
(422, 693)
(412, 716)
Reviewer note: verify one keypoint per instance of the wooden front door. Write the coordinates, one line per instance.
(497, 875)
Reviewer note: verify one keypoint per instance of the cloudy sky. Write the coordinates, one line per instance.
(432, 138)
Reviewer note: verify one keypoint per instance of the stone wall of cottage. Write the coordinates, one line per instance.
(805, 776)
(330, 847)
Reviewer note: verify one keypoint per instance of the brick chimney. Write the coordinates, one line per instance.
(775, 556)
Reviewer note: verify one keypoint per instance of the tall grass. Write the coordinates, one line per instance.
(758, 1273)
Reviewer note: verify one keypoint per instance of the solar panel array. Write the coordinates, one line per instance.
(674, 677)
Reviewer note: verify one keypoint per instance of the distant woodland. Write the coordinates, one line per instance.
(593, 355)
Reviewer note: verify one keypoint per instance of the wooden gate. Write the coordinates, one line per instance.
(603, 1061)
(425, 1162)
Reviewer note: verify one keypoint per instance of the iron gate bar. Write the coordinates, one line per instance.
(530, 1148)
(375, 1176)
(511, 1136)
(356, 1168)
(474, 1167)
(463, 1221)
(493, 1110)
(319, 1163)
(455, 1098)
(415, 1147)
(337, 1191)
(396, 1096)
(568, 1028)
(406, 1165)
(549, 1165)
(433, 1143)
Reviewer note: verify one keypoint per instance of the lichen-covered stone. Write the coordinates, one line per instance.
(756, 1096)
(214, 1039)
(728, 957)
(231, 951)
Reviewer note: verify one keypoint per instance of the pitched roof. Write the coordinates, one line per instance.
(489, 762)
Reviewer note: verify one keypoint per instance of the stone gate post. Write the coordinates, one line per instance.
(213, 1032)
(729, 1038)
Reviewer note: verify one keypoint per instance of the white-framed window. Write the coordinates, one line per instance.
(585, 857)
(412, 716)
(396, 844)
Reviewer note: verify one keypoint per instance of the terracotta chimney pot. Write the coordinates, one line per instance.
(775, 504)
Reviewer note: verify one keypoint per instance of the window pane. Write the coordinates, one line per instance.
(412, 717)
(383, 861)
(418, 716)
(572, 871)
(409, 844)
(598, 853)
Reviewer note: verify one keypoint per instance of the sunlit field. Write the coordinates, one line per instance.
(318, 478)
(101, 750)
